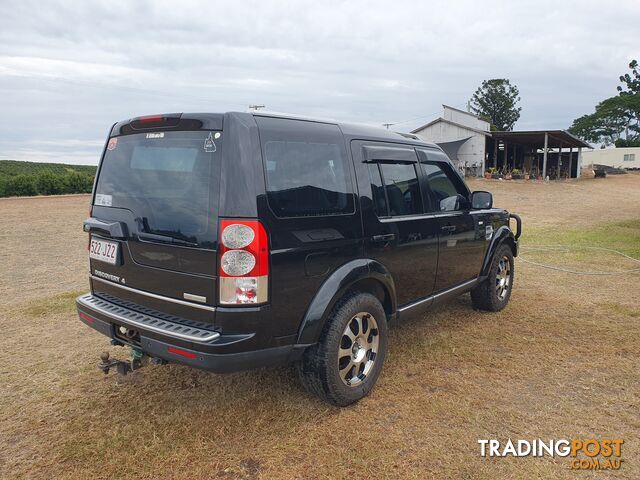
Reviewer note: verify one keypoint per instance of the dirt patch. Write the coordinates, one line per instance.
(566, 204)
(43, 249)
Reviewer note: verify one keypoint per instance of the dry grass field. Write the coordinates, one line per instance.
(561, 361)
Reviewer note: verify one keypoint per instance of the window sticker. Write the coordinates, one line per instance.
(155, 135)
(103, 200)
(209, 146)
(113, 143)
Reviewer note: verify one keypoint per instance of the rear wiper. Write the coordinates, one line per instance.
(152, 237)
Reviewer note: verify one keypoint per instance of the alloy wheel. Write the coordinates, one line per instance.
(358, 349)
(503, 277)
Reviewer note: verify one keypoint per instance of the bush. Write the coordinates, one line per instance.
(21, 185)
(76, 182)
(32, 178)
(49, 183)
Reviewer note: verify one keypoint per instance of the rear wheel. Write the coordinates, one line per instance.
(493, 294)
(343, 367)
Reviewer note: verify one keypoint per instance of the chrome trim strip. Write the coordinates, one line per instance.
(462, 286)
(153, 295)
(194, 298)
(145, 326)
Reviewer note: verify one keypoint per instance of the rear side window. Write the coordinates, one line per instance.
(401, 189)
(306, 168)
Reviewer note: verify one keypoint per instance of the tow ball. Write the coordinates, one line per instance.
(122, 366)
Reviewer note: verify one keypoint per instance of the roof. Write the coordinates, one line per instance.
(536, 137)
(466, 127)
(355, 130)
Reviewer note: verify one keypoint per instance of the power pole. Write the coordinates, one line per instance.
(255, 107)
(387, 125)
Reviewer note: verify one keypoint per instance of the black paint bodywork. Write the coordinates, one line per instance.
(410, 263)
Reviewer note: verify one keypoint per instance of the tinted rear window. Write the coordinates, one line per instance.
(169, 183)
(402, 188)
(307, 173)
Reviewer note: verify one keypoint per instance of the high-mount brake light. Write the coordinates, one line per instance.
(150, 119)
(244, 262)
(166, 120)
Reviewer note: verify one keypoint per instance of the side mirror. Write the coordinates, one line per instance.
(481, 200)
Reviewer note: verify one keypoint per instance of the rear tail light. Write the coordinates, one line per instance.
(244, 262)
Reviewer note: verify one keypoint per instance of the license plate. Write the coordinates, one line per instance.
(103, 250)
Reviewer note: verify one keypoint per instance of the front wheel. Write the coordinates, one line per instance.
(344, 366)
(493, 293)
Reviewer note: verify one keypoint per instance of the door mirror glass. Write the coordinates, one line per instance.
(481, 200)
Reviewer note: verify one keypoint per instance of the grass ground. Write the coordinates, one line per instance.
(561, 361)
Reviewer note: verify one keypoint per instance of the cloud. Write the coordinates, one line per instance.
(68, 70)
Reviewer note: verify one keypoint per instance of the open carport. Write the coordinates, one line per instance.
(555, 153)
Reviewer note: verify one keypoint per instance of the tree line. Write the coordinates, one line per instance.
(31, 178)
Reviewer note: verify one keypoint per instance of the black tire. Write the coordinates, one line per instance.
(320, 372)
(487, 296)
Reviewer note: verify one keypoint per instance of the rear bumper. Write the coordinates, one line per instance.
(179, 341)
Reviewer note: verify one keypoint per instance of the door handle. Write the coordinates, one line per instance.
(448, 228)
(389, 237)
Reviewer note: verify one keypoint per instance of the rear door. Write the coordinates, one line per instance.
(397, 232)
(156, 203)
(463, 232)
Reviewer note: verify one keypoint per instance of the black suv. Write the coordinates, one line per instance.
(239, 240)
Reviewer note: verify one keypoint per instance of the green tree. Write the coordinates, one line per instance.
(496, 100)
(612, 118)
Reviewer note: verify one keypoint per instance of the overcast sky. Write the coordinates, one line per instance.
(68, 70)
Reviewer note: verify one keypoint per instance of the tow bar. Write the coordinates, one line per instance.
(122, 366)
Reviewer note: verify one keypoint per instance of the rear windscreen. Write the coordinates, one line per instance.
(168, 180)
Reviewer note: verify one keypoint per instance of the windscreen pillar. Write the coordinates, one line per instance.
(544, 155)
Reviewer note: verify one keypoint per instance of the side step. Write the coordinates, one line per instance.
(128, 317)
